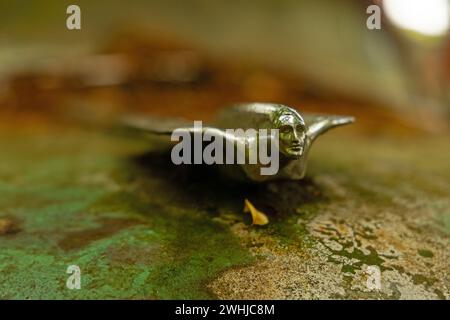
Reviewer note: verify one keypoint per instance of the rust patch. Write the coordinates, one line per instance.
(8, 226)
(109, 226)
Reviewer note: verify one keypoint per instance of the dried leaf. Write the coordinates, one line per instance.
(258, 217)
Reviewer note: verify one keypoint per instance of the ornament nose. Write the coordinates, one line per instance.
(296, 138)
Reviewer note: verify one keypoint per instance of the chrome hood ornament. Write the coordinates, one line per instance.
(296, 134)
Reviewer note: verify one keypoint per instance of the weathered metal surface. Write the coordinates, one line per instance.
(138, 227)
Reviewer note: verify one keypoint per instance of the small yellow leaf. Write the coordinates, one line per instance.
(258, 217)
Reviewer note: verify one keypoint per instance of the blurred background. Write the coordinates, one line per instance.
(192, 57)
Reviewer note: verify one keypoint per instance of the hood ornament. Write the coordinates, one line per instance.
(296, 134)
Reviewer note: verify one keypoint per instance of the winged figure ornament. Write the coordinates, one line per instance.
(295, 135)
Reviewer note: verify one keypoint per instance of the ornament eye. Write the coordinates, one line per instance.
(285, 129)
(300, 128)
